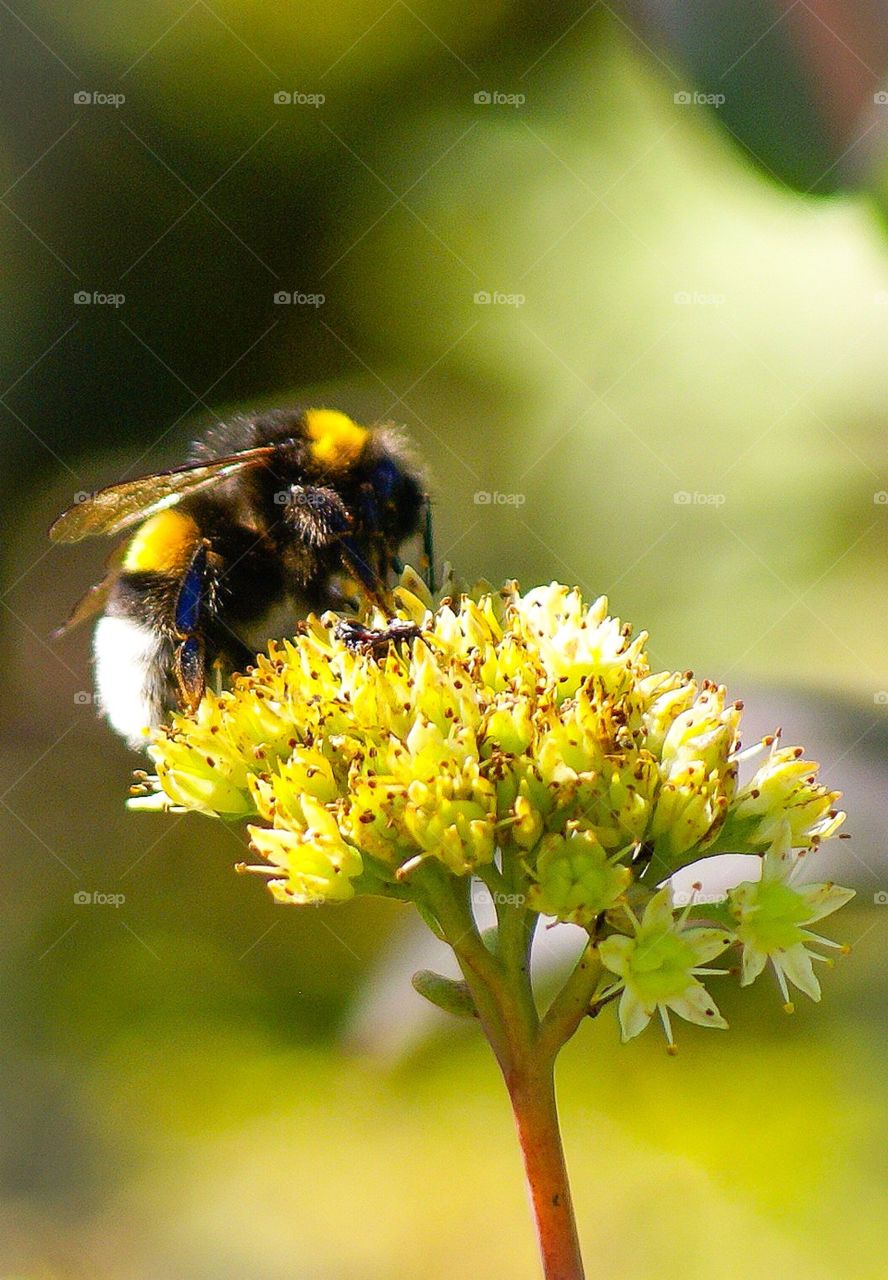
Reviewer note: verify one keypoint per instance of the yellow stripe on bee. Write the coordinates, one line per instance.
(337, 441)
(163, 544)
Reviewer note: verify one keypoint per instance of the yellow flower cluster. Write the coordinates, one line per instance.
(514, 728)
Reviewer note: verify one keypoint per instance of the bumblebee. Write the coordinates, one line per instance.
(272, 517)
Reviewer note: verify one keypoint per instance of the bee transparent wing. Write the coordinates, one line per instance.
(121, 505)
(94, 600)
(90, 603)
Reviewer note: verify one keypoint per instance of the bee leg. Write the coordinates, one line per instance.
(366, 577)
(377, 641)
(317, 515)
(189, 656)
(189, 667)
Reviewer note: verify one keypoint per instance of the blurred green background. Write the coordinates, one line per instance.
(622, 271)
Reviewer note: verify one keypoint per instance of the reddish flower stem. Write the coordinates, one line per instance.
(536, 1118)
(525, 1048)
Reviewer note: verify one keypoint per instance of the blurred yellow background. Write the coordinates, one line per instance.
(622, 272)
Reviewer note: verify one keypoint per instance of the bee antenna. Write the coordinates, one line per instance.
(428, 546)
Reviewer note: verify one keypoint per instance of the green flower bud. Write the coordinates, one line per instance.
(575, 879)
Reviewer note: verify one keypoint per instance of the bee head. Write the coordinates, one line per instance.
(397, 498)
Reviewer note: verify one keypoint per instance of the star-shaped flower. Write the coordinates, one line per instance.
(659, 968)
(772, 916)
